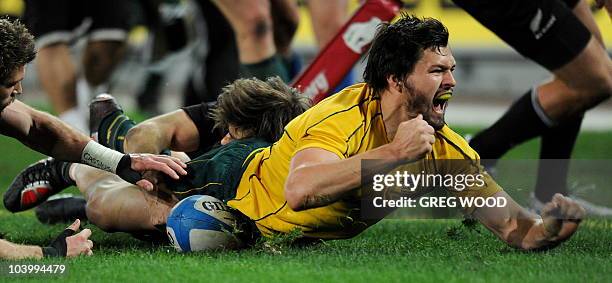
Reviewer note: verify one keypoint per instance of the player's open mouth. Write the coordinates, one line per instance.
(441, 100)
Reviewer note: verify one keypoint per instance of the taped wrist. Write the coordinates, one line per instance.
(96, 155)
(125, 171)
(58, 248)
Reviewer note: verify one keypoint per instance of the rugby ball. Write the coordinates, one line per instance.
(200, 223)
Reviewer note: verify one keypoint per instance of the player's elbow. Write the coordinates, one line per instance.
(295, 197)
(296, 193)
(294, 201)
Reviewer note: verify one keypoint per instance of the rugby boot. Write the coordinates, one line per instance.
(102, 107)
(62, 208)
(37, 183)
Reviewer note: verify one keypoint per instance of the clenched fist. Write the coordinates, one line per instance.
(561, 217)
(414, 139)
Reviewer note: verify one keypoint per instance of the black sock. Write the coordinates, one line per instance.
(269, 67)
(555, 153)
(112, 130)
(518, 124)
(65, 173)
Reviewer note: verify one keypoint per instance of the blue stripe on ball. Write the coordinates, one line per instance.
(184, 217)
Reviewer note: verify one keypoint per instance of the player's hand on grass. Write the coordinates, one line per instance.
(139, 163)
(79, 244)
(561, 217)
(414, 139)
(67, 244)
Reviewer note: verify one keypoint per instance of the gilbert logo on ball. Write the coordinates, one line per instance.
(200, 223)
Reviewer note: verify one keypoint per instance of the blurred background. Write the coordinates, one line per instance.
(489, 74)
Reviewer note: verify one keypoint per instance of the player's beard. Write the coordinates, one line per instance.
(419, 103)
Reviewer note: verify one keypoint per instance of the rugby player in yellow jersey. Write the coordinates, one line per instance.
(310, 179)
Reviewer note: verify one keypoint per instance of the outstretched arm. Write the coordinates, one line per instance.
(42, 132)
(49, 135)
(66, 245)
(10, 250)
(523, 230)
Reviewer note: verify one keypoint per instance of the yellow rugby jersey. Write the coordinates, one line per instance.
(347, 123)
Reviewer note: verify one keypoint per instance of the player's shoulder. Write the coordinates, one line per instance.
(344, 106)
(456, 146)
(348, 97)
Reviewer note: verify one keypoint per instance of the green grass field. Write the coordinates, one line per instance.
(394, 250)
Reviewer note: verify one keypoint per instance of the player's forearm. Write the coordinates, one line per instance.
(319, 184)
(52, 137)
(13, 251)
(515, 226)
(537, 238)
(524, 230)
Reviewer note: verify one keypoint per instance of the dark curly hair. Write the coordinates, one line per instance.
(399, 46)
(259, 108)
(17, 47)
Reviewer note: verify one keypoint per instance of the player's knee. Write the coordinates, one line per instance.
(606, 91)
(261, 29)
(599, 90)
(257, 25)
(135, 132)
(144, 130)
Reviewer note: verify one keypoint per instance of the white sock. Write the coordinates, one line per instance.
(84, 94)
(537, 107)
(71, 173)
(76, 119)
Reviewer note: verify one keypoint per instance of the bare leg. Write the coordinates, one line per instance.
(327, 18)
(116, 205)
(285, 18)
(100, 59)
(252, 23)
(586, 80)
(590, 78)
(583, 12)
(57, 76)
